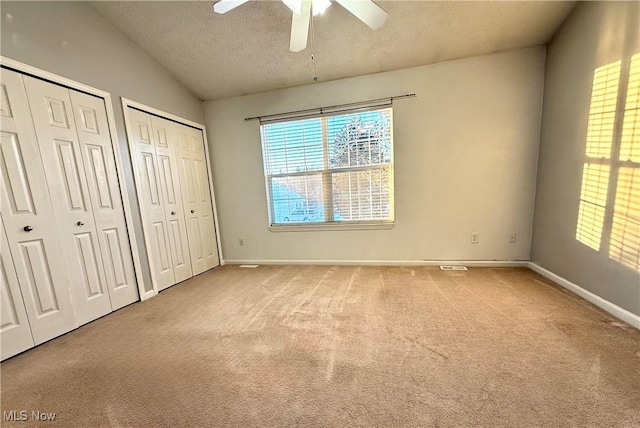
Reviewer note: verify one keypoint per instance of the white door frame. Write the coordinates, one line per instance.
(126, 103)
(106, 96)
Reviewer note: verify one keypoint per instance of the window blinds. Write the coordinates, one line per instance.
(330, 168)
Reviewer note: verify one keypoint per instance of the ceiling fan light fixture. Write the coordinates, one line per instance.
(294, 5)
(303, 10)
(319, 6)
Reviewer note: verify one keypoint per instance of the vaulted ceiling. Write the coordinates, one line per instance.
(247, 49)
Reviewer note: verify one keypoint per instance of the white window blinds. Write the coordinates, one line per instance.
(330, 168)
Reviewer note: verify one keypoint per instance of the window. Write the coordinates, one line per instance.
(330, 169)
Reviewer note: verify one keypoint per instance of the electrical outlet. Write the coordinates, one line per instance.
(512, 237)
(474, 238)
(241, 242)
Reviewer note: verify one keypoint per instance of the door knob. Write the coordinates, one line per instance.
(27, 228)
(193, 211)
(173, 213)
(80, 223)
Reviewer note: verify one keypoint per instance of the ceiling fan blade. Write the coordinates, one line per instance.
(366, 11)
(224, 6)
(300, 28)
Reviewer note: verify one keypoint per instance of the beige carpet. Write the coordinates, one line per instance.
(340, 346)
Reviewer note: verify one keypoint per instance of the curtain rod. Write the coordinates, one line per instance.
(332, 109)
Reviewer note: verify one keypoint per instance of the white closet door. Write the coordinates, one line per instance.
(164, 139)
(64, 168)
(197, 199)
(150, 199)
(102, 179)
(28, 217)
(15, 332)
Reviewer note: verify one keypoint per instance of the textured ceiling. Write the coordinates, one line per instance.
(247, 49)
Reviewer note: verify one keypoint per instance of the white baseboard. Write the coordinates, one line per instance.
(468, 263)
(613, 309)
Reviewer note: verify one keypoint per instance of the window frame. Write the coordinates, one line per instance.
(326, 174)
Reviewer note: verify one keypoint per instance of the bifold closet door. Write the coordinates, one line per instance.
(164, 141)
(151, 199)
(15, 333)
(196, 198)
(66, 178)
(174, 197)
(75, 144)
(37, 252)
(106, 202)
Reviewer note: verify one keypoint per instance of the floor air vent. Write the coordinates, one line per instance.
(453, 268)
(249, 266)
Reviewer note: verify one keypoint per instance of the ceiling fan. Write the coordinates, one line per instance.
(365, 10)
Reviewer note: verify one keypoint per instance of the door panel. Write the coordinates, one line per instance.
(188, 173)
(209, 247)
(164, 139)
(117, 259)
(106, 204)
(90, 263)
(15, 332)
(20, 198)
(167, 183)
(150, 179)
(200, 171)
(179, 248)
(68, 167)
(149, 198)
(58, 142)
(28, 217)
(5, 106)
(197, 205)
(163, 249)
(197, 253)
(98, 176)
(39, 279)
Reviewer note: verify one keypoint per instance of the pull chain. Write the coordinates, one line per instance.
(313, 57)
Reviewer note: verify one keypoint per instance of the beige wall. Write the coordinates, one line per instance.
(595, 34)
(70, 39)
(465, 152)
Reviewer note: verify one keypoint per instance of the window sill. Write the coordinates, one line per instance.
(313, 227)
